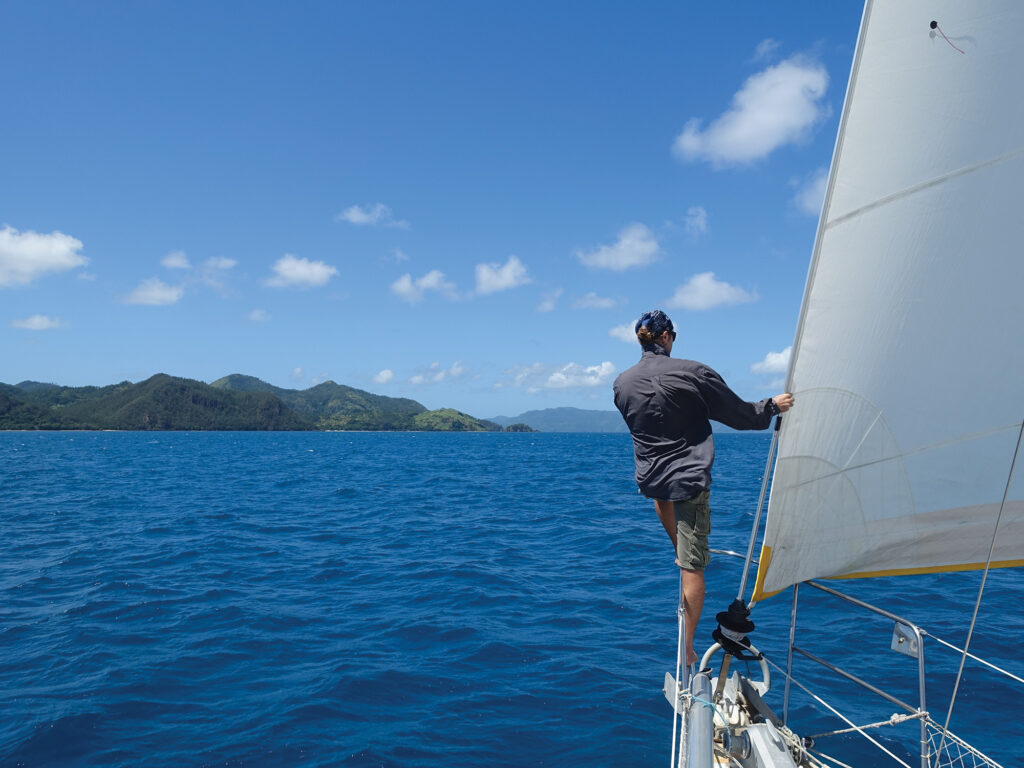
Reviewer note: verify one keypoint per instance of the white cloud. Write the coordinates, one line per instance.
(494, 277)
(539, 376)
(775, 107)
(298, 374)
(155, 292)
(413, 290)
(435, 374)
(258, 316)
(397, 255)
(176, 260)
(548, 301)
(384, 376)
(636, 247)
(574, 375)
(593, 301)
(27, 256)
(219, 262)
(624, 332)
(371, 216)
(774, 362)
(289, 271)
(766, 49)
(696, 221)
(38, 323)
(811, 194)
(703, 291)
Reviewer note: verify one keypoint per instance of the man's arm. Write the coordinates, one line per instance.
(727, 407)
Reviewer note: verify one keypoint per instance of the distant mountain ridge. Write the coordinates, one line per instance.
(235, 402)
(569, 419)
(566, 420)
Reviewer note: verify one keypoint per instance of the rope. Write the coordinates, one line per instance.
(981, 590)
(896, 719)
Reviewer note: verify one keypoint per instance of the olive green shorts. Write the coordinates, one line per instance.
(693, 524)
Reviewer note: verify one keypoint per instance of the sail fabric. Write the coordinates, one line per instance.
(908, 366)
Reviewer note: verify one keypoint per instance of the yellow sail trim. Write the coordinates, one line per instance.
(766, 557)
(762, 571)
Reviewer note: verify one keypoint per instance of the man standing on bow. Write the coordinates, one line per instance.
(667, 405)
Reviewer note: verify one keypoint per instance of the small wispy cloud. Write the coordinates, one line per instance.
(538, 376)
(636, 247)
(696, 221)
(176, 260)
(27, 256)
(290, 271)
(494, 277)
(549, 301)
(378, 215)
(624, 332)
(435, 374)
(574, 375)
(258, 316)
(38, 323)
(810, 194)
(383, 377)
(773, 108)
(703, 291)
(220, 262)
(766, 49)
(593, 301)
(155, 292)
(413, 290)
(774, 362)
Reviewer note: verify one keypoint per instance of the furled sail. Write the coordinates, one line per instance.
(908, 364)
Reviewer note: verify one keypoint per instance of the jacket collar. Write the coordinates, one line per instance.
(651, 350)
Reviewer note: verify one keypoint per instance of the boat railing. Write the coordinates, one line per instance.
(936, 742)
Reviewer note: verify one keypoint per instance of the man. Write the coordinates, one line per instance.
(667, 405)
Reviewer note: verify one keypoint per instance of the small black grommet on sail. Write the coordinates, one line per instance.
(733, 627)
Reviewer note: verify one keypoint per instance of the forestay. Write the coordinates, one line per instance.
(908, 365)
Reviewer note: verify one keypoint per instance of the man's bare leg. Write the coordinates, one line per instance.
(693, 602)
(693, 581)
(667, 515)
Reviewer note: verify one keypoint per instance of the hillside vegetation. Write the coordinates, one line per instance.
(235, 402)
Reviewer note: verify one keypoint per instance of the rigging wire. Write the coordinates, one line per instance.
(836, 712)
(981, 590)
(760, 507)
(676, 695)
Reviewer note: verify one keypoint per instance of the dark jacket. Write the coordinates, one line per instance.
(667, 404)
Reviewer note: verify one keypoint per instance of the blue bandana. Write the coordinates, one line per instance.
(657, 323)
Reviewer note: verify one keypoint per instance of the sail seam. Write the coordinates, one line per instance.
(923, 186)
(916, 452)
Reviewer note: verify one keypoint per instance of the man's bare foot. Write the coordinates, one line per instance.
(691, 658)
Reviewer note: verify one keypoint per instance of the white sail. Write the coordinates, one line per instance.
(908, 365)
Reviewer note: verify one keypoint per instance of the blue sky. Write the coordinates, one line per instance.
(460, 202)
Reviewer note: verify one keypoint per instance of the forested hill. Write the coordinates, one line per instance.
(159, 402)
(335, 406)
(235, 402)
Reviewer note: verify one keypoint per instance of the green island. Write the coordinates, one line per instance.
(235, 402)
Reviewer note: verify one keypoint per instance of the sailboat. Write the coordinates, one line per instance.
(903, 453)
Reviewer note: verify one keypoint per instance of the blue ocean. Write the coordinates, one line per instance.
(410, 599)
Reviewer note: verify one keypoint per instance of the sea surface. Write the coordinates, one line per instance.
(410, 599)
